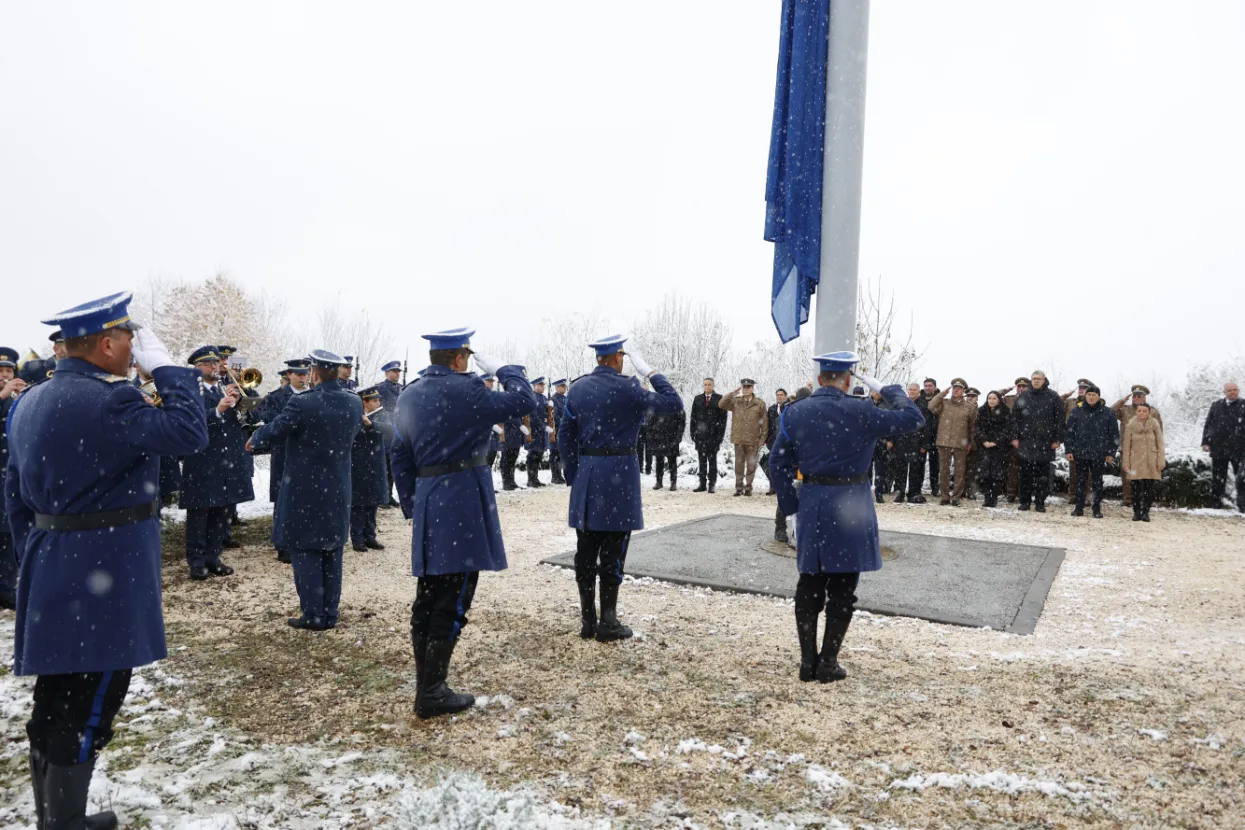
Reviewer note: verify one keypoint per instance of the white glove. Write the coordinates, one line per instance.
(150, 353)
(497, 428)
(488, 365)
(871, 383)
(549, 430)
(525, 430)
(792, 530)
(641, 366)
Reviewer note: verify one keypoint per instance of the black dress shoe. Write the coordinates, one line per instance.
(219, 569)
(374, 545)
(304, 624)
(284, 558)
(359, 547)
(1080, 511)
(198, 574)
(712, 489)
(231, 544)
(1024, 508)
(917, 499)
(739, 492)
(700, 489)
(8, 600)
(1041, 508)
(878, 498)
(1097, 514)
(658, 486)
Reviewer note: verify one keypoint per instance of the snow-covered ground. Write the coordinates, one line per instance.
(1122, 710)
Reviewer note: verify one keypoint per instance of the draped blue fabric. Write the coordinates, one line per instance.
(794, 181)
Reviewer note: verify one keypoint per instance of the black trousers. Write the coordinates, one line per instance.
(934, 470)
(8, 563)
(555, 465)
(509, 457)
(1034, 480)
(908, 473)
(1143, 495)
(441, 605)
(492, 458)
(1089, 473)
(205, 533)
(1219, 479)
(836, 593)
(707, 456)
(601, 553)
(533, 465)
(363, 524)
(881, 475)
(669, 459)
(73, 713)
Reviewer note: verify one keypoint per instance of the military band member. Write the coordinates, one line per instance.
(58, 344)
(211, 479)
(10, 387)
(515, 436)
(170, 465)
(346, 375)
(439, 456)
(540, 432)
(284, 379)
(597, 440)
(296, 371)
(390, 388)
(369, 485)
(244, 478)
(559, 408)
(312, 517)
(81, 502)
(829, 437)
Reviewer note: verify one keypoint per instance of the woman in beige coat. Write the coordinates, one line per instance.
(1143, 459)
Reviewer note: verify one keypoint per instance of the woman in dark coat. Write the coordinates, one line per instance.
(993, 434)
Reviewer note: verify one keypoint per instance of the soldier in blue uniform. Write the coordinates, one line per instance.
(829, 438)
(495, 434)
(81, 501)
(390, 388)
(538, 424)
(346, 375)
(597, 441)
(312, 518)
(296, 370)
(369, 482)
(244, 474)
(10, 387)
(212, 479)
(439, 456)
(559, 407)
(515, 436)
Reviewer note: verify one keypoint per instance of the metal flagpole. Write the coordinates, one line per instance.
(846, 70)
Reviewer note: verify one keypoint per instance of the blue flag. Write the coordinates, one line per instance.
(794, 182)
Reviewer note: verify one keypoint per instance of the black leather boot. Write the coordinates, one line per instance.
(588, 609)
(64, 799)
(806, 628)
(419, 645)
(609, 628)
(701, 487)
(828, 668)
(437, 698)
(38, 770)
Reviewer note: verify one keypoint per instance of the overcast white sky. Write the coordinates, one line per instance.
(1057, 184)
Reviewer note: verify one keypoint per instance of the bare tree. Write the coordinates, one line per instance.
(358, 335)
(883, 354)
(687, 340)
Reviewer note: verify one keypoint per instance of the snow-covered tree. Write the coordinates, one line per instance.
(884, 353)
(356, 334)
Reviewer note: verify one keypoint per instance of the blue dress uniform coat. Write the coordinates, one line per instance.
(559, 408)
(830, 433)
(317, 429)
(369, 479)
(389, 393)
(445, 418)
(89, 601)
(539, 420)
(216, 477)
(604, 410)
(513, 437)
(268, 411)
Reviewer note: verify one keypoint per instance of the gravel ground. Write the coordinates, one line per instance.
(1124, 709)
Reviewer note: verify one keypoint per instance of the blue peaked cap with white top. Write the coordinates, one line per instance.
(459, 338)
(325, 359)
(391, 366)
(609, 345)
(540, 379)
(560, 382)
(111, 312)
(837, 361)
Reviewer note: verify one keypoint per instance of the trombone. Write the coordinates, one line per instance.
(250, 378)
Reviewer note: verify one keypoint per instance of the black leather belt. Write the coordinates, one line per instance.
(98, 521)
(608, 451)
(837, 481)
(480, 460)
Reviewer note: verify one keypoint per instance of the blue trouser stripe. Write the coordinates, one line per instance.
(97, 712)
